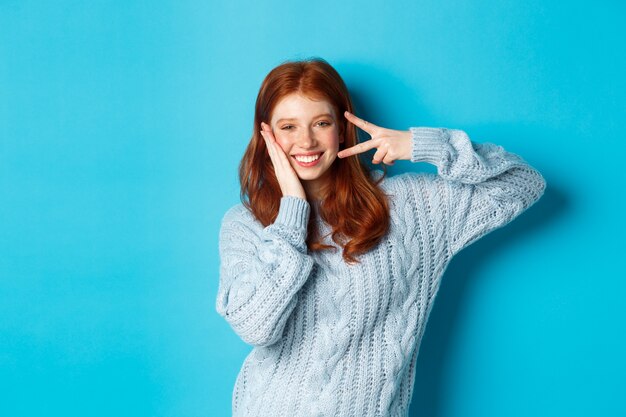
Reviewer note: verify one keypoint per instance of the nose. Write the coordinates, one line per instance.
(307, 139)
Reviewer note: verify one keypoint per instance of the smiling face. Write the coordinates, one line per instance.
(308, 132)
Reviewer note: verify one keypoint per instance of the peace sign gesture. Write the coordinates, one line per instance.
(391, 144)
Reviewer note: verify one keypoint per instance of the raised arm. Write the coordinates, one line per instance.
(484, 186)
(261, 270)
(479, 187)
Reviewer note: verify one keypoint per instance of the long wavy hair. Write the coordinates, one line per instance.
(354, 206)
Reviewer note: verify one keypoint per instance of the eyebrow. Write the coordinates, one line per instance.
(293, 118)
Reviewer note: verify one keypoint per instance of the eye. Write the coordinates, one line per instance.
(324, 123)
(287, 127)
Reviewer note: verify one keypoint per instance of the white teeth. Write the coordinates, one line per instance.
(307, 158)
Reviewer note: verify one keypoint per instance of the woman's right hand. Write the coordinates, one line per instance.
(287, 178)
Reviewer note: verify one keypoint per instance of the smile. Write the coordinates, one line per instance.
(308, 161)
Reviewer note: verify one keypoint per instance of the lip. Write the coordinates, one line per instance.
(308, 164)
(307, 153)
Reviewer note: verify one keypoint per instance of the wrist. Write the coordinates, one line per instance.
(293, 212)
(428, 144)
(407, 140)
(295, 194)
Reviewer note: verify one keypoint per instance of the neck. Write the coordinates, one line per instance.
(312, 191)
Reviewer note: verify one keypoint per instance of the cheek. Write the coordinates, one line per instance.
(283, 143)
(332, 140)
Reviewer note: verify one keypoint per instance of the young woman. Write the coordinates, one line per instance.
(330, 270)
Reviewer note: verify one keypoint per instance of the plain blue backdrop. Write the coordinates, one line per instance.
(121, 127)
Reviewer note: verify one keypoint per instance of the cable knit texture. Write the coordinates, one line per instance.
(332, 339)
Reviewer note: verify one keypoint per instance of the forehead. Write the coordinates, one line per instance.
(298, 106)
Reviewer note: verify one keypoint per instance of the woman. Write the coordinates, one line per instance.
(329, 269)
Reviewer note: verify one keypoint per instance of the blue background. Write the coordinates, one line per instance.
(121, 127)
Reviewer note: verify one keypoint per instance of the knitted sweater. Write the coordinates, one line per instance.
(334, 339)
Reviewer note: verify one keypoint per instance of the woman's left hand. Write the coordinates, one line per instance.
(391, 144)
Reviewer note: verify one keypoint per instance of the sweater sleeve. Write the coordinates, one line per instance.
(261, 272)
(484, 187)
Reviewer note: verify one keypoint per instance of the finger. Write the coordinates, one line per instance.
(268, 131)
(277, 154)
(269, 135)
(268, 145)
(281, 156)
(358, 148)
(379, 155)
(388, 160)
(360, 123)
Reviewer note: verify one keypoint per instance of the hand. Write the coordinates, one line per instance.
(391, 144)
(287, 178)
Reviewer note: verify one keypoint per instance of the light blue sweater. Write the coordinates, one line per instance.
(333, 339)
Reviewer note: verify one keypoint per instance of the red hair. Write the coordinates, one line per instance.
(353, 192)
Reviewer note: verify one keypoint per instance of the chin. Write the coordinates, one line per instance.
(308, 177)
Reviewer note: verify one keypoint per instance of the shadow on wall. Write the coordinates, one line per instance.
(387, 101)
(465, 267)
(383, 98)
